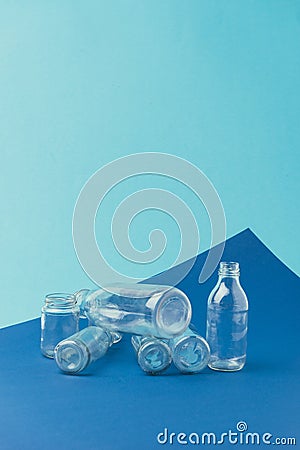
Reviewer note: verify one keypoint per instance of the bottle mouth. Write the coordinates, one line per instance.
(60, 300)
(229, 268)
(173, 313)
(154, 357)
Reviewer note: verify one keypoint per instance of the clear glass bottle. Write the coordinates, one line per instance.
(142, 309)
(74, 354)
(153, 354)
(227, 320)
(59, 319)
(190, 352)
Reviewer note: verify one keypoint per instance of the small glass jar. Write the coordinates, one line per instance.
(59, 320)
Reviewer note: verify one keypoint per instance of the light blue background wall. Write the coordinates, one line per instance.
(82, 83)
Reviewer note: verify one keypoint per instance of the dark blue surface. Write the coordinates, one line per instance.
(116, 406)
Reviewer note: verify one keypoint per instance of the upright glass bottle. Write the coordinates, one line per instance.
(143, 309)
(59, 319)
(227, 319)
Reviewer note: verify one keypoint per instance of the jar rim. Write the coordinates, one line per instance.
(60, 298)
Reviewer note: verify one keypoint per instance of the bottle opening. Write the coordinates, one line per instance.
(229, 268)
(60, 300)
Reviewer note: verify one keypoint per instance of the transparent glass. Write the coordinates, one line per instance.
(190, 352)
(227, 320)
(142, 309)
(153, 355)
(74, 354)
(59, 319)
(115, 335)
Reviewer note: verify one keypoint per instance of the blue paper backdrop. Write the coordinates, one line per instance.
(113, 405)
(83, 83)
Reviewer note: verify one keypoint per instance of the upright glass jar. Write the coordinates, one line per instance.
(227, 320)
(59, 320)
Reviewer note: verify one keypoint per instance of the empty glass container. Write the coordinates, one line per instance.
(74, 354)
(190, 352)
(142, 309)
(227, 320)
(153, 355)
(59, 319)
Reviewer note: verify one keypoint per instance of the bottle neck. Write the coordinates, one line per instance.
(229, 280)
(81, 297)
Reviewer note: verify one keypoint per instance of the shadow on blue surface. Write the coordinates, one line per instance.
(116, 406)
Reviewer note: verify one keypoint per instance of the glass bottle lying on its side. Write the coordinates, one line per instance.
(153, 354)
(143, 309)
(74, 354)
(190, 352)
